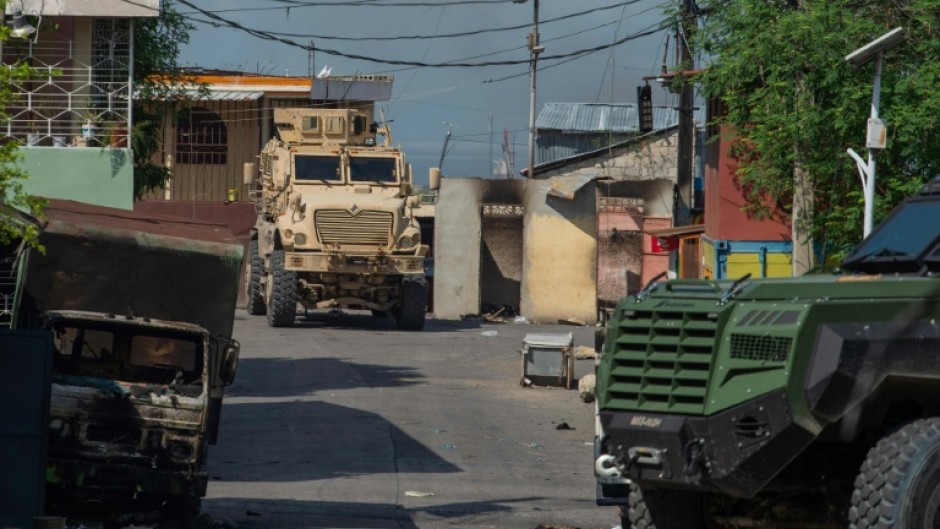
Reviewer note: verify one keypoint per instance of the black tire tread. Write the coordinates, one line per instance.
(664, 509)
(255, 292)
(282, 309)
(409, 315)
(884, 474)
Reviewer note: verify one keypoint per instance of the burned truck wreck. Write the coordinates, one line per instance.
(141, 313)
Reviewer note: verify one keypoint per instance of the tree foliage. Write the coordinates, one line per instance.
(779, 68)
(13, 198)
(160, 84)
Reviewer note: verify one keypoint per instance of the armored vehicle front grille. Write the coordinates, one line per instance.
(761, 348)
(662, 360)
(371, 228)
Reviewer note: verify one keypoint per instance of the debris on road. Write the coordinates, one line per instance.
(448, 446)
(418, 494)
(525, 382)
(564, 426)
(489, 334)
(436, 430)
(582, 352)
(520, 320)
(573, 321)
(586, 387)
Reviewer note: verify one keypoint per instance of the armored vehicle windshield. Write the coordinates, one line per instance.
(904, 242)
(365, 169)
(309, 168)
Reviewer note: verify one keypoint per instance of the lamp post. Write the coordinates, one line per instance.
(534, 49)
(876, 136)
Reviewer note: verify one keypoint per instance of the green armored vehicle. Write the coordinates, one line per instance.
(808, 402)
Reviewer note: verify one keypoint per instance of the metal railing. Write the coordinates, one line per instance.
(78, 91)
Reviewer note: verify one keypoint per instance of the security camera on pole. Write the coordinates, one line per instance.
(877, 134)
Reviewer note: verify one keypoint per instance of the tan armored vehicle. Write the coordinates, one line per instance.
(335, 221)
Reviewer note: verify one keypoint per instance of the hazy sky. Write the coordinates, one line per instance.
(426, 98)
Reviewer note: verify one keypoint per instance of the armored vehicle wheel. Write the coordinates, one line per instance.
(662, 509)
(181, 509)
(253, 289)
(898, 486)
(409, 314)
(282, 303)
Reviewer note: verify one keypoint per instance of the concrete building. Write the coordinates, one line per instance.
(571, 239)
(73, 116)
(208, 140)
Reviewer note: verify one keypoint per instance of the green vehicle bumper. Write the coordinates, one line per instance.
(736, 452)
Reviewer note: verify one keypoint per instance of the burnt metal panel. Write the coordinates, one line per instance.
(25, 378)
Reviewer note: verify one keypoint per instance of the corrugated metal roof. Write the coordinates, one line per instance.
(226, 95)
(605, 117)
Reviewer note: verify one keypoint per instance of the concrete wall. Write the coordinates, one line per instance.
(558, 277)
(652, 158)
(104, 177)
(457, 248)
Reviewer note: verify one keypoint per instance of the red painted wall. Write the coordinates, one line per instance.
(725, 200)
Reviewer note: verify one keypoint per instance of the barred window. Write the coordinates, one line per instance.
(201, 138)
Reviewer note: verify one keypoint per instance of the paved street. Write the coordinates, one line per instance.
(346, 422)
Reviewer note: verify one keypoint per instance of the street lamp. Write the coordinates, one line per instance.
(876, 137)
(534, 49)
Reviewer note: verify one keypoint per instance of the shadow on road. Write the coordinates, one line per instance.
(359, 321)
(303, 441)
(343, 515)
(285, 377)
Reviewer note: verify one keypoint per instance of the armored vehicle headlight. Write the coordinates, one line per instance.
(408, 241)
(300, 238)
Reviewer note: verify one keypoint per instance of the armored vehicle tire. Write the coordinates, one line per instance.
(662, 509)
(282, 305)
(253, 289)
(181, 509)
(898, 486)
(409, 314)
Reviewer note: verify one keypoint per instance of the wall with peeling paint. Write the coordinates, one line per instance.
(558, 276)
(457, 248)
(562, 251)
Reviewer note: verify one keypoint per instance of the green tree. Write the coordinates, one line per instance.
(160, 85)
(779, 68)
(13, 199)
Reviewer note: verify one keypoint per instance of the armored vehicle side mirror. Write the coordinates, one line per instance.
(248, 173)
(229, 362)
(434, 178)
(405, 189)
(414, 201)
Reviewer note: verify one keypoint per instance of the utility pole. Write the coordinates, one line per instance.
(801, 256)
(490, 124)
(685, 30)
(534, 50)
(450, 128)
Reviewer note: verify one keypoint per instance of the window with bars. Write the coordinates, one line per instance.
(201, 138)
(78, 89)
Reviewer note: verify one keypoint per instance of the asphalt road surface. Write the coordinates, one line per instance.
(346, 422)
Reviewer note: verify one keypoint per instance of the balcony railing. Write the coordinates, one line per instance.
(78, 93)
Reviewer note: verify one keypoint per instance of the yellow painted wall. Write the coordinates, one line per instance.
(709, 269)
(778, 265)
(559, 269)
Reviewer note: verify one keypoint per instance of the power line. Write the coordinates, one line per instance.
(360, 3)
(269, 36)
(413, 37)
